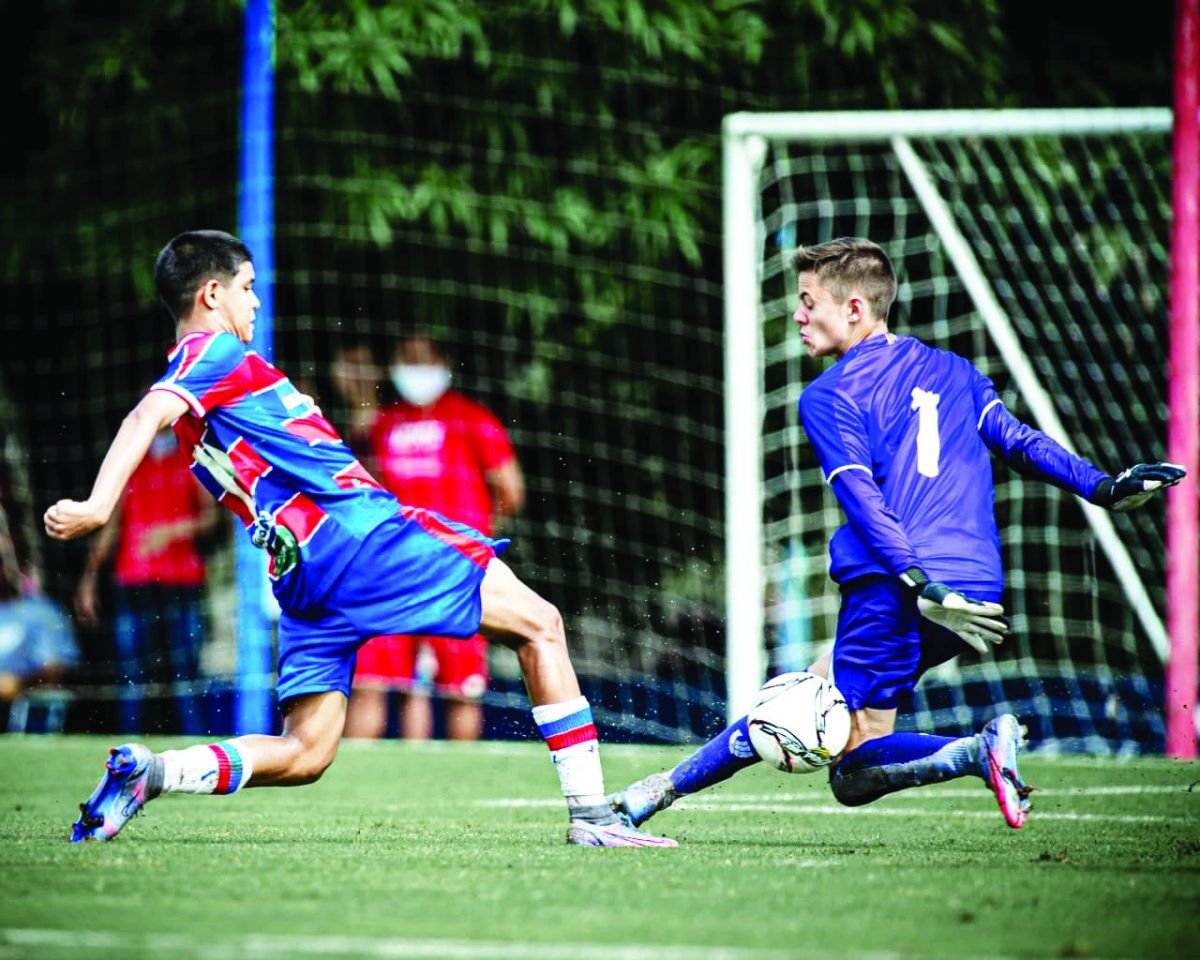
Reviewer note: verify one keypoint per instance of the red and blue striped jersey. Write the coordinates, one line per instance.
(255, 426)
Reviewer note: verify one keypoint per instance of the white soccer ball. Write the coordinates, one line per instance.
(799, 722)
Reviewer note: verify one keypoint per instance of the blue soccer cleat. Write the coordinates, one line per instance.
(1002, 740)
(120, 794)
(639, 801)
(584, 833)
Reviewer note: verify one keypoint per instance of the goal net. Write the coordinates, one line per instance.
(1036, 245)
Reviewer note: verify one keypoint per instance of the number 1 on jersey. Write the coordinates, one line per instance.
(929, 444)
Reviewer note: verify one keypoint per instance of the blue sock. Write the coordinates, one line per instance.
(719, 759)
(899, 761)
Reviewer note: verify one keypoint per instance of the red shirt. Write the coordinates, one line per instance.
(437, 456)
(160, 491)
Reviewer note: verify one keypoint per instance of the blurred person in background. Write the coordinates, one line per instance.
(434, 448)
(158, 572)
(355, 376)
(37, 640)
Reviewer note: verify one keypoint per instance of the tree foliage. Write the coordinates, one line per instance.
(587, 128)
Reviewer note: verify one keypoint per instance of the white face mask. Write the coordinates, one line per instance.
(421, 383)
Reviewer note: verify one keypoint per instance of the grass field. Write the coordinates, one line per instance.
(448, 851)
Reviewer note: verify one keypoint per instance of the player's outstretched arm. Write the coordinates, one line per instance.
(69, 519)
(1032, 453)
(977, 622)
(1134, 485)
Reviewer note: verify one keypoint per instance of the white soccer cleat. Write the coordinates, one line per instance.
(1002, 740)
(583, 833)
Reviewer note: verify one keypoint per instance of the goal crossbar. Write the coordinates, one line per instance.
(847, 126)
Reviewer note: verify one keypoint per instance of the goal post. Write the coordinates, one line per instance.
(990, 218)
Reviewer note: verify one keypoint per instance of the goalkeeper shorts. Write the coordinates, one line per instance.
(418, 573)
(883, 644)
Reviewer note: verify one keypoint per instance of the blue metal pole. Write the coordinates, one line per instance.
(256, 222)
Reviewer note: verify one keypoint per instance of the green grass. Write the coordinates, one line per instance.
(393, 854)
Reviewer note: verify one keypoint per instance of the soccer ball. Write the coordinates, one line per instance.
(799, 722)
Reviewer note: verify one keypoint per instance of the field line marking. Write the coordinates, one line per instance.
(496, 748)
(264, 946)
(807, 795)
(517, 803)
(821, 794)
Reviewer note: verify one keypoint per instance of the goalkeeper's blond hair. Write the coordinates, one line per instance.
(851, 264)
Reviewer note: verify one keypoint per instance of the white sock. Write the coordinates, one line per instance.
(575, 749)
(219, 768)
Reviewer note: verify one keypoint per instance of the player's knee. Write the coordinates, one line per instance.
(850, 789)
(547, 626)
(843, 790)
(543, 638)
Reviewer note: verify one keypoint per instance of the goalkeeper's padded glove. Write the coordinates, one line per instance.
(277, 540)
(1134, 486)
(976, 622)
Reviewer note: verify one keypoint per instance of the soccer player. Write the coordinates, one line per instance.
(348, 561)
(903, 433)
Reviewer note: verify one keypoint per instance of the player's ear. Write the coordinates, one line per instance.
(855, 307)
(209, 293)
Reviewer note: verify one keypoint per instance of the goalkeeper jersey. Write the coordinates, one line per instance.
(256, 427)
(904, 433)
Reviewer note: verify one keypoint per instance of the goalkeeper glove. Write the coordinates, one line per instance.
(1134, 486)
(976, 622)
(277, 540)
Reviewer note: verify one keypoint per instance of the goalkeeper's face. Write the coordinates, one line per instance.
(826, 326)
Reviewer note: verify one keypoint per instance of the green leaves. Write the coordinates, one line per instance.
(579, 141)
(357, 46)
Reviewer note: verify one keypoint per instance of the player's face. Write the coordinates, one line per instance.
(239, 302)
(824, 322)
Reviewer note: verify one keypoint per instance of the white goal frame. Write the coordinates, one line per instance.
(745, 139)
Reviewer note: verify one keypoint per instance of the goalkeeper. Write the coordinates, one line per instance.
(348, 561)
(904, 434)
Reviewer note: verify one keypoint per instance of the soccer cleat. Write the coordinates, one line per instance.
(583, 833)
(120, 794)
(1002, 740)
(639, 801)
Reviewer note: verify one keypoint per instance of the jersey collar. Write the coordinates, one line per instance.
(871, 343)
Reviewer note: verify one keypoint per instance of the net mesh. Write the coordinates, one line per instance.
(1072, 235)
(597, 342)
(592, 359)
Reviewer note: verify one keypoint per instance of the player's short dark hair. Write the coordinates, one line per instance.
(851, 263)
(190, 260)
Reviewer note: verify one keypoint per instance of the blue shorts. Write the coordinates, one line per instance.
(884, 645)
(418, 573)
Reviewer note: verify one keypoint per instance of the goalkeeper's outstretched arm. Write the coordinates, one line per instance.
(1033, 454)
(69, 519)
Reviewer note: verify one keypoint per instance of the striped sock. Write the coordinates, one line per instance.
(575, 749)
(212, 768)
